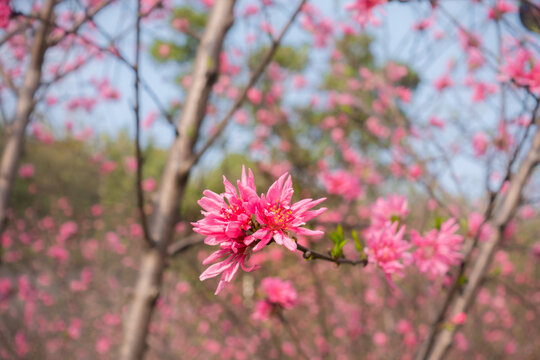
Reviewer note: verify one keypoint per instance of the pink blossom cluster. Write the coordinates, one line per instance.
(523, 68)
(434, 252)
(363, 10)
(384, 238)
(5, 13)
(279, 295)
(437, 250)
(241, 222)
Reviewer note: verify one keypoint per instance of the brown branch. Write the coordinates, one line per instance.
(173, 181)
(25, 105)
(315, 255)
(503, 214)
(90, 13)
(136, 110)
(185, 244)
(7, 79)
(252, 80)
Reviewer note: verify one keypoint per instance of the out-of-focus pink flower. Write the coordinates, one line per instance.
(279, 295)
(380, 338)
(438, 249)
(74, 329)
(342, 183)
(500, 8)
(437, 122)
(130, 163)
(279, 291)
(149, 184)
(536, 250)
(254, 95)
(459, 318)
(387, 249)
(527, 212)
(103, 345)
(21, 345)
(415, 171)
(26, 171)
(108, 166)
(5, 13)
(480, 144)
(443, 82)
(363, 10)
(393, 208)
(474, 221)
(263, 310)
(164, 50)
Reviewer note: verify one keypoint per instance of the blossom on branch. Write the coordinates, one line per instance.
(438, 249)
(5, 13)
(241, 222)
(279, 295)
(277, 216)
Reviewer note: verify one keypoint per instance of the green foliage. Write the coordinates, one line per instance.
(438, 221)
(339, 241)
(177, 53)
(187, 48)
(357, 243)
(62, 169)
(357, 50)
(288, 57)
(196, 19)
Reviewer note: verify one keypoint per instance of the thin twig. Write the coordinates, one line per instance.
(136, 110)
(252, 80)
(315, 255)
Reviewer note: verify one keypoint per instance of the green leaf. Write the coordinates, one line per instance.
(338, 238)
(439, 221)
(357, 243)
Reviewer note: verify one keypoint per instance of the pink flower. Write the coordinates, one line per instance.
(387, 249)
(480, 144)
(279, 292)
(103, 345)
(500, 8)
(240, 222)
(342, 183)
(277, 216)
(263, 309)
(5, 13)
(26, 171)
(391, 209)
(227, 218)
(364, 10)
(149, 184)
(280, 295)
(438, 249)
(474, 221)
(21, 344)
(443, 82)
(254, 95)
(459, 318)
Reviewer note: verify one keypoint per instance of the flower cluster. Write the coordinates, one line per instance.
(241, 222)
(384, 238)
(438, 249)
(5, 13)
(279, 295)
(434, 253)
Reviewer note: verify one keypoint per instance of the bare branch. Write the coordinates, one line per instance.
(136, 109)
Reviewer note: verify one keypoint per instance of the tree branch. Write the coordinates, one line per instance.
(252, 80)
